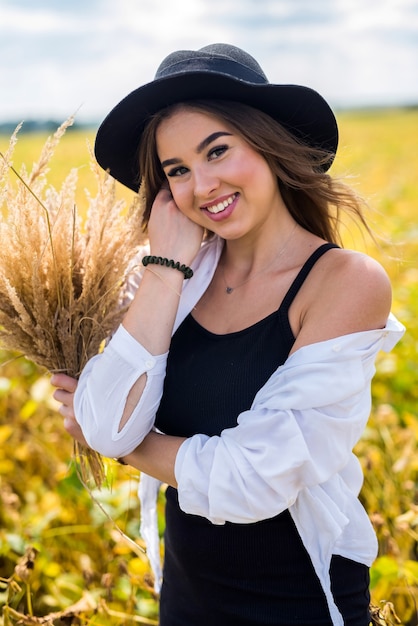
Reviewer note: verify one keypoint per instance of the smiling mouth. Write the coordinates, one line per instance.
(221, 206)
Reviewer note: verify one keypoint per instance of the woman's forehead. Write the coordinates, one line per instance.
(187, 126)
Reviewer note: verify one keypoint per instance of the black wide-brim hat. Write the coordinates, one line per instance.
(215, 72)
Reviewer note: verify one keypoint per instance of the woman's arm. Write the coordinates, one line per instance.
(155, 445)
(156, 456)
(150, 318)
(112, 386)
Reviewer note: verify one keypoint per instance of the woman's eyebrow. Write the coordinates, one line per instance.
(204, 144)
(168, 162)
(201, 146)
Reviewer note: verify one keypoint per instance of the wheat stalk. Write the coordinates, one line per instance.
(62, 278)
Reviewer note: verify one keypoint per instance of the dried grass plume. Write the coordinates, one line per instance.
(62, 276)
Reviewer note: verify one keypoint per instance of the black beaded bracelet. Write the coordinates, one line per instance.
(159, 260)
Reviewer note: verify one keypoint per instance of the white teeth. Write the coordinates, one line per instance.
(221, 206)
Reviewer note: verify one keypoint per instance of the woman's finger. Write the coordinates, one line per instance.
(64, 382)
(73, 429)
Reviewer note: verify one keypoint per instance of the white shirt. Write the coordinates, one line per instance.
(291, 450)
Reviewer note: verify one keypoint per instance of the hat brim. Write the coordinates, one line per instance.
(301, 110)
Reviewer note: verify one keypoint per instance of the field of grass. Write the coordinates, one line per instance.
(84, 571)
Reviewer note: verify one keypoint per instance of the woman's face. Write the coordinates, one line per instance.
(216, 179)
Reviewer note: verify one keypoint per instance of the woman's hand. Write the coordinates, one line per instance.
(171, 233)
(66, 386)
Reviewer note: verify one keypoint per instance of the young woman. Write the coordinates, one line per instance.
(241, 374)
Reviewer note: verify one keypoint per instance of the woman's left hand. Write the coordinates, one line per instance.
(66, 386)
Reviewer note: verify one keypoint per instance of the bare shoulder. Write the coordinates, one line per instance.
(347, 292)
(358, 270)
(359, 275)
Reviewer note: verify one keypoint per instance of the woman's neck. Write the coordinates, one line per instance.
(249, 255)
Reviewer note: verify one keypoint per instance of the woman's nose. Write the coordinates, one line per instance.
(205, 182)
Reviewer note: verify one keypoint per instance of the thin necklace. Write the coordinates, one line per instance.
(229, 289)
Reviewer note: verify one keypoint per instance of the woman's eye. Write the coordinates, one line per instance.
(177, 171)
(217, 152)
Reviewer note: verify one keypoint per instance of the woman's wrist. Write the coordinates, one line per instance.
(166, 262)
(152, 312)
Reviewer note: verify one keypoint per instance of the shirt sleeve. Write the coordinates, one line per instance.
(102, 391)
(107, 379)
(299, 432)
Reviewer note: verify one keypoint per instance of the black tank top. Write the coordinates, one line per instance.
(239, 574)
(212, 378)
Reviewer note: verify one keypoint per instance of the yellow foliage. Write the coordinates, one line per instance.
(42, 503)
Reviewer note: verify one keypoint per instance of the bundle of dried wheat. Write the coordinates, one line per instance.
(62, 277)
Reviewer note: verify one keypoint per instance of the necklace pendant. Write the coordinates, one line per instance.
(229, 290)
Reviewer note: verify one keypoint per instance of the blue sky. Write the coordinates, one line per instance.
(62, 56)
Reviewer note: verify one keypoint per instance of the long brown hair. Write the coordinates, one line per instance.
(313, 197)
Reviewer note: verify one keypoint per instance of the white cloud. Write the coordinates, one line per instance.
(56, 57)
